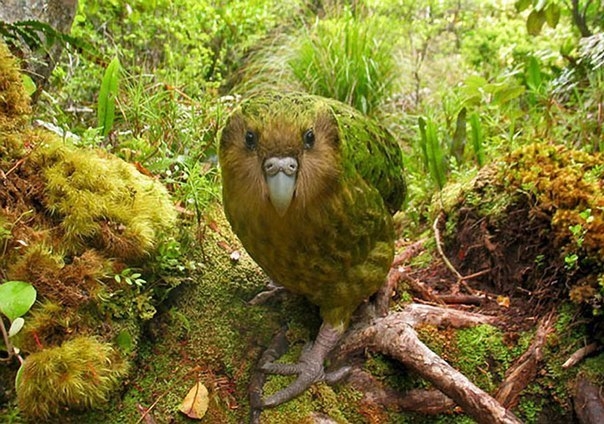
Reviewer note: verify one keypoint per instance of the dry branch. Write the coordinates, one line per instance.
(524, 369)
(430, 402)
(394, 336)
(578, 356)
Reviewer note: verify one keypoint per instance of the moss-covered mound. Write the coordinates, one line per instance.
(530, 230)
(81, 373)
(88, 231)
(536, 223)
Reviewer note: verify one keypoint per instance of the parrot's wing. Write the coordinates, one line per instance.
(373, 152)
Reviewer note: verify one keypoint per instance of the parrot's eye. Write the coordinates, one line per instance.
(250, 140)
(309, 139)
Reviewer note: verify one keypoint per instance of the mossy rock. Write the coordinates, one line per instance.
(101, 201)
(88, 231)
(79, 374)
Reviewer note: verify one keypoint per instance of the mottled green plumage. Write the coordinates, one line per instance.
(334, 244)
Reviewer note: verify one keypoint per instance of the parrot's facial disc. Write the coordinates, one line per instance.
(281, 176)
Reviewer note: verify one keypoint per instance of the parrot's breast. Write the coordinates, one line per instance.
(336, 251)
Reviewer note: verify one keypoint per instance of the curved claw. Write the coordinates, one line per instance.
(309, 369)
(306, 378)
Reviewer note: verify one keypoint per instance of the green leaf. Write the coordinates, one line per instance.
(16, 298)
(533, 74)
(552, 15)
(19, 374)
(433, 151)
(521, 5)
(16, 326)
(459, 137)
(124, 341)
(107, 96)
(477, 138)
(28, 84)
(535, 21)
(505, 94)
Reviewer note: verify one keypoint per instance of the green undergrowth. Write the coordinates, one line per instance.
(207, 332)
(95, 238)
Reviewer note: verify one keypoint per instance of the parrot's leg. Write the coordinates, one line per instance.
(309, 368)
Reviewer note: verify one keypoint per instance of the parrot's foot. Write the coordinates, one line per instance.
(309, 368)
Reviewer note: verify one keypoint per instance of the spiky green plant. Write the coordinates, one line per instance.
(350, 59)
(79, 374)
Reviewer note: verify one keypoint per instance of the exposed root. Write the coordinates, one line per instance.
(580, 354)
(430, 402)
(524, 370)
(394, 336)
(276, 349)
(461, 280)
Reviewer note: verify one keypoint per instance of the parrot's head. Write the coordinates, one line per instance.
(280, 152)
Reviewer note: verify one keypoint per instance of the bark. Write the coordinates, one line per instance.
(394, 336)
(59, 14)
(524, 369)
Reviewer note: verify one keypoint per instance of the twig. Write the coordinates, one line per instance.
(14, 167)
(463, 299)
(439, 247)
(580, 354)
(9, 347)
(460, 278)
(524, 369)
(146, 413)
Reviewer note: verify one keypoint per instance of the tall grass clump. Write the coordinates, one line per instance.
(348, 58)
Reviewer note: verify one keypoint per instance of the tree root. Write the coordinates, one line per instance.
(580, 354)
(429, 402)
(524, 369)
(277, 348)
(394, 336)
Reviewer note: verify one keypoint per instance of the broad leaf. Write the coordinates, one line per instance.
(16, 326)
(535, 21)
(552, 15)
(196, 402)
(16, 298)
(522, 5)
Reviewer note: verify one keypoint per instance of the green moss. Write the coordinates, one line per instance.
(530, 409)
(14, 102)
(483, 356)
(593, 369)
(102, 201)
(81, 373)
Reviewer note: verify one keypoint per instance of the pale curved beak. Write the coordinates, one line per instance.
(281, 174)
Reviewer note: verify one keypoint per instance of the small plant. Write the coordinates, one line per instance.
(432, 152)
(79, 374)
(107, 97)
(16, 299)
(349, 59)
(130, 277)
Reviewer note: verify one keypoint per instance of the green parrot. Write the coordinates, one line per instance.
(309, 185)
